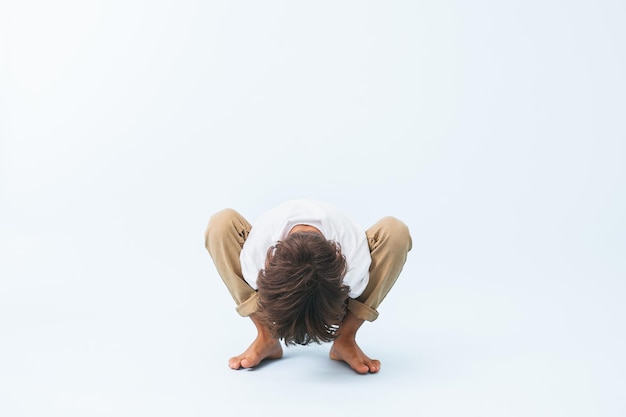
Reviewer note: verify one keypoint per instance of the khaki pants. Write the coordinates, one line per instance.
(389, 242)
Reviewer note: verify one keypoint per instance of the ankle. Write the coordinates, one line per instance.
(346, 337)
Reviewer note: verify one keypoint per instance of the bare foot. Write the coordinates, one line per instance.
(349, 352)
(261, 348)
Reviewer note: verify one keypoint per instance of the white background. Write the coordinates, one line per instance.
(494, 129)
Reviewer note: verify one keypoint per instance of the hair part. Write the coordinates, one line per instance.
(302, 297)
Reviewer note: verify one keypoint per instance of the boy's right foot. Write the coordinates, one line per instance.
(261, 348)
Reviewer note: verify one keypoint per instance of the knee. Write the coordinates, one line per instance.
(397, 233)
(220, 223)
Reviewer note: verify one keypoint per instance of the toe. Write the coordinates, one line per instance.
(249, 362)
(374, 366)
(234, 363)
(362, 368)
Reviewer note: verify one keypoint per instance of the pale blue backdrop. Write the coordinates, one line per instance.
(494, 129)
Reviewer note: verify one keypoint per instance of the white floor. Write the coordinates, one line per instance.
(495, 132)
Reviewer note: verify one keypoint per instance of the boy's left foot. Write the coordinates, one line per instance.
(349, 352)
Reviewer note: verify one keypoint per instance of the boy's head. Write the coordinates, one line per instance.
(302, 297)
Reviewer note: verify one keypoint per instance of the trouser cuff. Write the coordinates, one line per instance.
(361, 310)
(249, 306)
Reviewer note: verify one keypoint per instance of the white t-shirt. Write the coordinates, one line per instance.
(275, 225)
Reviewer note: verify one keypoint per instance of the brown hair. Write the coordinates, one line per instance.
(302, 297)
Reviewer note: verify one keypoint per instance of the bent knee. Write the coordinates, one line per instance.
(223, 216)
(397, 232)
(220, 223)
